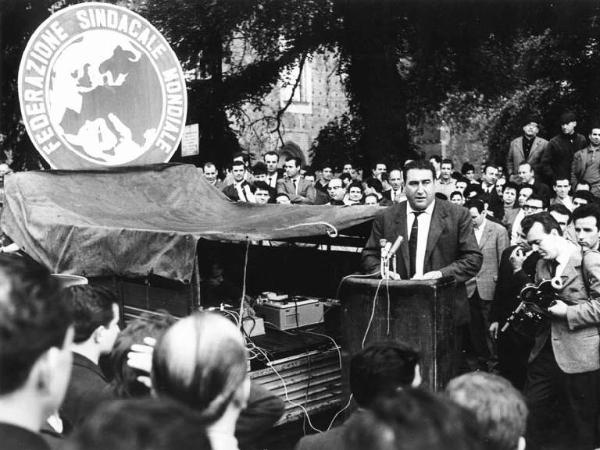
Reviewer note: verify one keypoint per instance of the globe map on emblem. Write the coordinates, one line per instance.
(121, 75)
(100, 87)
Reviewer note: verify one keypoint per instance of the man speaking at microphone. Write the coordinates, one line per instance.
(438, 237)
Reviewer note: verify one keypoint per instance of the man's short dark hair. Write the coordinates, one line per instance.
(380, 369)
(414, 419)
(263, 186)
(561, 209)
(447, 161)
(475, 203)
(561, 179)
(544, 218)
(466, 167)
(260, 168)
(535, 196)
(526, 186)
(486, 165)
(92, 308)
(589, 210)
(436, 158)
(373, 183)
(453, 193)
(297, 161)
(140, 424)
(500, 409)
(125, 382)
(308, 170)
(419, 164)
(511, 185)
(582, 183)
(34, 317)
(242, 155)
(237, 163)
(585, 195)
(271, 153)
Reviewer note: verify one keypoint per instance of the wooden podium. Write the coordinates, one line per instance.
(419, 313)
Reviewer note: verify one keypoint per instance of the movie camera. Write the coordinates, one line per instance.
(531, 315)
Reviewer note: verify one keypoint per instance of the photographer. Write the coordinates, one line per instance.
(564, 362)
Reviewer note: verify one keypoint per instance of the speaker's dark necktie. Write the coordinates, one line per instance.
(412, 243)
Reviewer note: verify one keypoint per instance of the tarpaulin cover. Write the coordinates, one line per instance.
(134, 221)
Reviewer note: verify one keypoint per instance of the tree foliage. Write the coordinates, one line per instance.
(481, 66)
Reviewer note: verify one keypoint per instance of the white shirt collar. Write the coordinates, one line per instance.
(428, 210)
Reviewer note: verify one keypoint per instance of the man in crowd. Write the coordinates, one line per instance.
(96, 313)
(500, 409)
(324, 179)
(561, 190)
(395, 194)
(245, 160)
(492, 239)
(141, 424)
(563, 217)
(490, 195)
(461, 184)
(583, 198)
(517, 268)
(457, 198)
(378, 370)
(438, 237)
(350, 170)
(297, 188)
(336, 192)
(533, 204)
(414, 419)
(564, 364)
(526, 148)
(263, 193)
(446, 184)
(271, 160)
(259, 172)
(528, 178)
(468, 171)
(378, 170)
(240, 190)
(586, 220)
(586, 163)
(35, 354)
(436, 162)
(558, 154)
(211, 174)
(582, 186)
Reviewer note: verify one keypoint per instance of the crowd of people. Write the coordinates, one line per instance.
(71, 378)
(185, 383)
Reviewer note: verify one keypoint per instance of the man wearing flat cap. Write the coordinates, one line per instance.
(527, 148)
(558, 155)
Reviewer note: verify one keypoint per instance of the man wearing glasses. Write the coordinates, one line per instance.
(534, 204)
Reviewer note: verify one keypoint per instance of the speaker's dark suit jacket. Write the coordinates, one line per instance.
(451, 247)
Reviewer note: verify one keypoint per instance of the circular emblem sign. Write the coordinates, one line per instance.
(99, 86)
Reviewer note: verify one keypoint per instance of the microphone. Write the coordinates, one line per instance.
(383, 244)
(395, 247)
